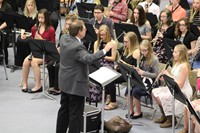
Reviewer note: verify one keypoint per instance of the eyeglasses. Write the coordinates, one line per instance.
(102, 34)
(163, 16)
(143, 50)
(182, 25)
(98, 12)
(125, 41)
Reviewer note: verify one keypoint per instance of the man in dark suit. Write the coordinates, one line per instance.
(73, 77)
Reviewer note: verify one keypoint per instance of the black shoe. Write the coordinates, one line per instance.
(130, 115)
(25, 90)
(136, 117)
(39, 90)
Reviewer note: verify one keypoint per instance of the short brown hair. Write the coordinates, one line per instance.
(75, 27)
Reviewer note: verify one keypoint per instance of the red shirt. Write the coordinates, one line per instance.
(48, 34)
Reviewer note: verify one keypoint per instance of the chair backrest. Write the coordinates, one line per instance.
(129, 14)
(193, 82)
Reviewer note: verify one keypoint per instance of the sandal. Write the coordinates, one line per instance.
(183, 131)
(108, 99)
(111, 106)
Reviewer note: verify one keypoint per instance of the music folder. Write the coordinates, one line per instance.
(103, 76)
(169, 45)
(123, 28)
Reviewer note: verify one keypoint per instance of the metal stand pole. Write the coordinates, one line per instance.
(129, 98)
(44, 95)
(102, 109)
(173, 113)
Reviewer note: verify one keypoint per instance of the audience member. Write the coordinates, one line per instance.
(138, 18)
(22, 44)
(176, 10)
(104, 37)
(148, 69)
(180, 74)
(42, 31)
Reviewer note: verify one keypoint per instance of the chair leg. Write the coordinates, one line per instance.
(178, 123)
(4, 64)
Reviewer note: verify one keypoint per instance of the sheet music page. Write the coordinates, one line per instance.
(103, 75)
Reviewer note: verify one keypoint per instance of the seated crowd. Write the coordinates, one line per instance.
(177, 30)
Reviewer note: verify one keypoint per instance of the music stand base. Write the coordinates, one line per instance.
(13, 68)
(43, 96)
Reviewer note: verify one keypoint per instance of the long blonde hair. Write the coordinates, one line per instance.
(134, 44)
(193, 13)
(149, 57)
(27, 13)
(183, 54)
(108, 35)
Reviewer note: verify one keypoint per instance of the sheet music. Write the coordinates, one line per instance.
(104, 75)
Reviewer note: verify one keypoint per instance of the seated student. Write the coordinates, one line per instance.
(99, 19)
(150, 6)
(22, 44)
(194, 125)
(117, 11)
(148, 69)
(4, 6)
(130, 54)
(183, 34)
(176, 10)
(103, 38)
(162, 95)
(138, 18)
(42, 31)
(53, 67)
(166, 29)
(194, 14)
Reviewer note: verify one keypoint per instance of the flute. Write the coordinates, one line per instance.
(38, 28)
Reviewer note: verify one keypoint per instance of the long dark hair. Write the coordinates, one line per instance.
(142, 15)
(47, 20)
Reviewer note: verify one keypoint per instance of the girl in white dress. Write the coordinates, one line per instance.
(162, 95)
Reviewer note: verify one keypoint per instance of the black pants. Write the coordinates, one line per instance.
(53, 75)
(70, 113)
(23, 50)
(4, 47)
(111, 88)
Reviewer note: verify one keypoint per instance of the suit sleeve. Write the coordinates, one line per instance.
(84, 56)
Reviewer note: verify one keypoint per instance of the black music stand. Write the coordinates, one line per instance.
(85, 10)
(169, 45)
(45, 50)
(123, 28)
(14, 20)
(109, 75)
(152, 18)
(177, 94)
(104, 3)
(133, 78)
(194, 29)
(90, 36)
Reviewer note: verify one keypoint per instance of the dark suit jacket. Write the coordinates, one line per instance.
(74, 60)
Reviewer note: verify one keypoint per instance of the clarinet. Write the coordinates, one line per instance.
(156, 81)
(38, 28)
